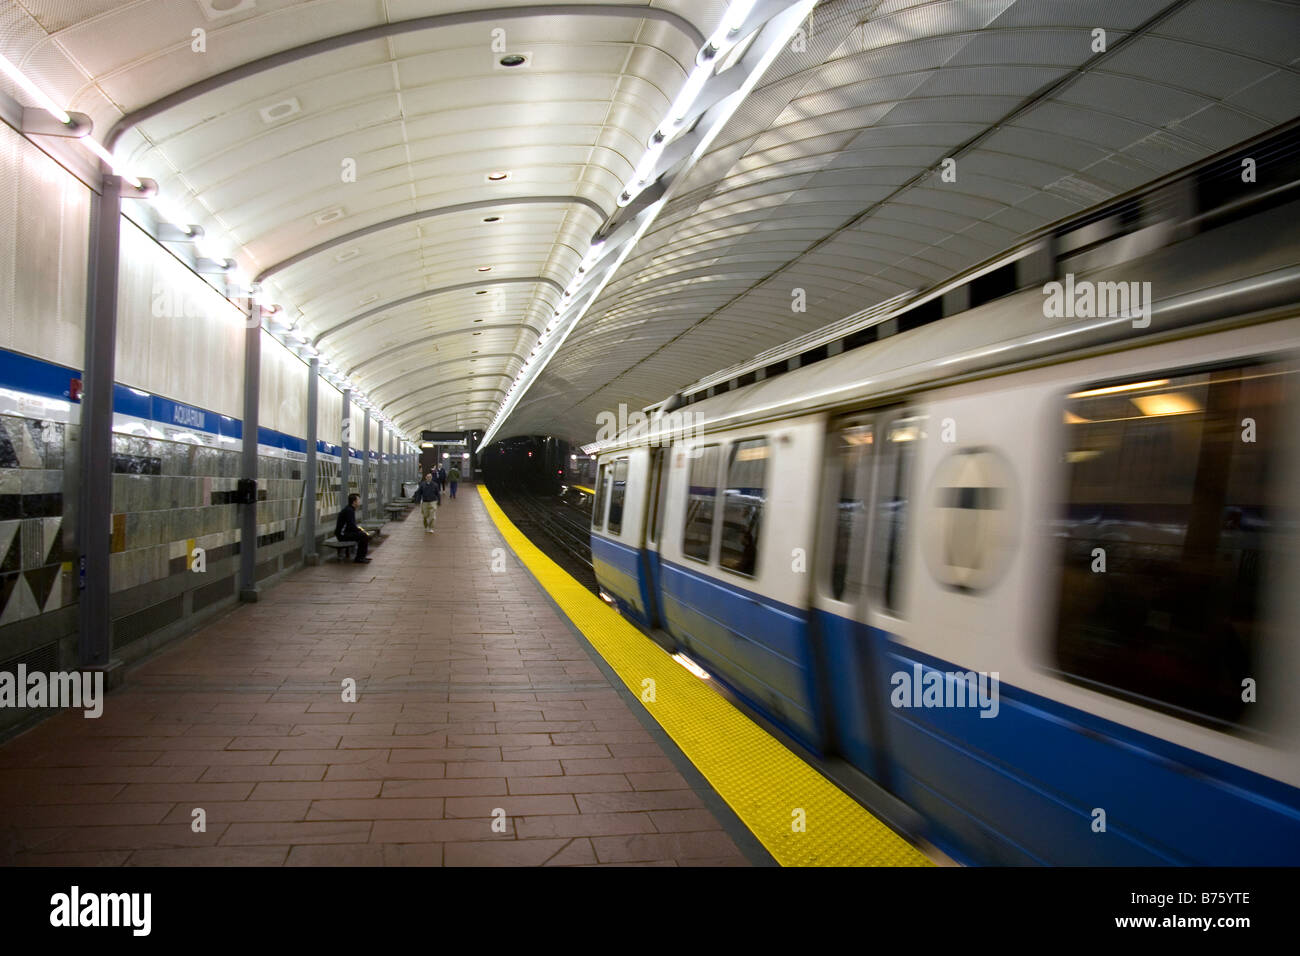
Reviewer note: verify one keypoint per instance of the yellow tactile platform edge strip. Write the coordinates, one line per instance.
(759, 778)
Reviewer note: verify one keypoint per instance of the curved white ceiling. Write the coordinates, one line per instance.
(822, 181)
(400, 259)
(826, 180)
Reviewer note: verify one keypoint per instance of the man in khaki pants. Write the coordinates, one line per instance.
(428, 495)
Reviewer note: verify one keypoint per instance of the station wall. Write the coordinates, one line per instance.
(44, 236)
(177, 442)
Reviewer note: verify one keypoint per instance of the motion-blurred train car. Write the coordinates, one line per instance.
(1022, 553)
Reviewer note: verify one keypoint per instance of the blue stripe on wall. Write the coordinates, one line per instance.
(23, 373)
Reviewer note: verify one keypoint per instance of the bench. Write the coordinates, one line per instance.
(342, 549)
(398, 511)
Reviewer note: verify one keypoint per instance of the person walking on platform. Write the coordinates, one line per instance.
(347, 529)
(454, 477)
(428, 494)
(442, 477)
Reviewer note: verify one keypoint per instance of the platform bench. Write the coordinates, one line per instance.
(342, 549)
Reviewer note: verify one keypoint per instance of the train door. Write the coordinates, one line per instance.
(656, 487)
(603, 477)
(839, 601)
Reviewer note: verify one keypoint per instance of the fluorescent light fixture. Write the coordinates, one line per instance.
(169, 213)
(59, 113)
(36, 93)
(111, 160)
(685, 99)
(727, 34)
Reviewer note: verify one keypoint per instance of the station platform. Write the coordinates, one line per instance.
(497, 721)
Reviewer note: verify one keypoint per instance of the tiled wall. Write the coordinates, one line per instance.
(279, 505)
(328, 499)
(35, 567)
(171, 497)
(165, 495)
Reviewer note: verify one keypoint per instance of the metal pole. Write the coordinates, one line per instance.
(94, 520)
(381, 486)
(309, 555)
(345, 450)
(365, 466)
(248, 462)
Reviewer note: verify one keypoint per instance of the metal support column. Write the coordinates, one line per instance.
(345, 451)
(248, 461)
(381, 486)
(365, 466)
(94, 519)
(309, 555)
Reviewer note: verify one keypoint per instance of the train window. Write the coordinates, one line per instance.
(654, 499)
(901, 438)
(618, 492)
(598, 506)
(742, 506)
(1174, 524)
(854, 454)
(697, 534)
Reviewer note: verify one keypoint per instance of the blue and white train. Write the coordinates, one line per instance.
(1093, 501)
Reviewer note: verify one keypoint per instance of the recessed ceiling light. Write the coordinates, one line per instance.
(513, 59)
(478, 333)
(329, 215)
(478, 320)
(281, 110)
(481, 292)
(347, 254)
(498, 177)
(484, 268)
(215, 9)
(491, 218)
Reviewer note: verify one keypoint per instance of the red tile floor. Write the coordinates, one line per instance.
(474, 697)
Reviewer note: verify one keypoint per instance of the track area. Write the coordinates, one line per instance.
(559, 525)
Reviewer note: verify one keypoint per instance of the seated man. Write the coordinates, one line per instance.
(346, 529)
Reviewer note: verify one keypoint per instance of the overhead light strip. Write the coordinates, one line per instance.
(730, 32)
(189, 232)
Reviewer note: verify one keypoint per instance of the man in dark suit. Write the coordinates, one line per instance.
(346, 529)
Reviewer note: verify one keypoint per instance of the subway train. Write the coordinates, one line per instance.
(1022, 550)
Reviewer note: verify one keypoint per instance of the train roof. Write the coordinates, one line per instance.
(1192, 281)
